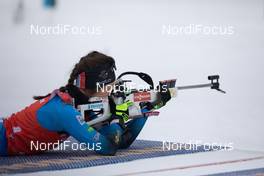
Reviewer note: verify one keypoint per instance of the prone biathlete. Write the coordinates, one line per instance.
(51, 119)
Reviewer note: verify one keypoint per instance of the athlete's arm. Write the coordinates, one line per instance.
(135, 126)
(59, 116)
(132, 130)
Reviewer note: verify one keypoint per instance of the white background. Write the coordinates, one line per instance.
(132, 33)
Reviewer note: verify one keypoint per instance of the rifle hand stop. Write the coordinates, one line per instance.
(215, 82)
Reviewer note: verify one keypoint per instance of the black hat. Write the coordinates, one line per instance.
(98, 75)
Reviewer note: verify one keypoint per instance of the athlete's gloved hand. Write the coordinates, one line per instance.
(163, 97)
(120, 110)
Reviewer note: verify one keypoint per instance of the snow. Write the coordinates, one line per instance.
(185, 165)
(131, 32)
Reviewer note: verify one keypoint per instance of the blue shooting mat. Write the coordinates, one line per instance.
(69, 159)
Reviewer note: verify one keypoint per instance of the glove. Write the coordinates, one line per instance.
(163, 97)
(120, 110)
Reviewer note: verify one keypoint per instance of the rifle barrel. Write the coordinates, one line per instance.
(194, 86)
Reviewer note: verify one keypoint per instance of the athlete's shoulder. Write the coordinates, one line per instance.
(62, 95)
(58, 102)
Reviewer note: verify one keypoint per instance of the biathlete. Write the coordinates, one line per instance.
(54, 117)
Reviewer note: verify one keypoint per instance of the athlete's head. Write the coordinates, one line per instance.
(93, 70)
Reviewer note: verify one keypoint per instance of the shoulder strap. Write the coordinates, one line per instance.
(144, 76)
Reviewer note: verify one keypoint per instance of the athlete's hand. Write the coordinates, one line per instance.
(120, 110)
(163, 97)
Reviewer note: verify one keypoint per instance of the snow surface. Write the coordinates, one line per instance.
(132, 33)
(184, 165)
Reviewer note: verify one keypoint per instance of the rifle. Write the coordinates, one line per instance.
(138, 97)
